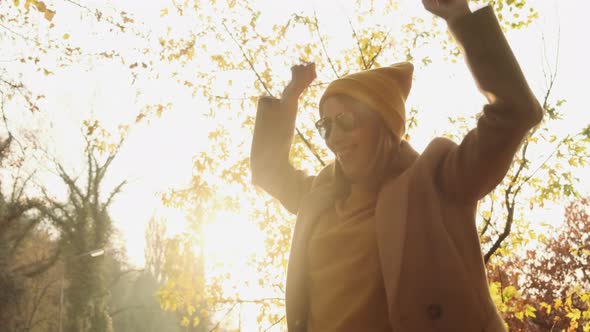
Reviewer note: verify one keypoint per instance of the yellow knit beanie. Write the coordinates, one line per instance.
(384, 90)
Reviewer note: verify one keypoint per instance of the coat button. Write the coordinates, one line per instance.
(434, 311)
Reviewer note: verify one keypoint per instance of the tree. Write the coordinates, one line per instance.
(134, 306)
(85, 225)
(20, 219)
(37, 308)
(183, 289)
(155, 249)
(547, 286)
(132, 303)
(251, 58)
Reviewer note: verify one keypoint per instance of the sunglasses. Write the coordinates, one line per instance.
(346, 121)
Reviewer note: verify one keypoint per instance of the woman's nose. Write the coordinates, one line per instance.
(335, 136)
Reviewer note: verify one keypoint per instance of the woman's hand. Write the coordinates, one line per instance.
(301, 77)
(449, 10)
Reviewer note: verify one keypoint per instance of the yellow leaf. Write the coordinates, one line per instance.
(196, 321)
(574, 315)
(49, 14)
(185, 321)
(558, 304)
(191, 310)
(530, 311)
(509, 293)
(66, 36)
(547, 307)
(163, 12)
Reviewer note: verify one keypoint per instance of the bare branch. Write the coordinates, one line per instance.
(251, 64)
(317, 27)
(524, 161)
(513, 189)
(507, 226)
(17, 34)
(18, 193)
(545, 105)
(310, 147)
(114, 193)
(24, 232)
(90, 168)
(358, 43)
(19, 88)
(33, 269)
(224, 316)
(57, 220)
(488, 221)
(100, 15)
(381, 47)
(259, 301)
(275, 323)
(71, 183)
(16, 211)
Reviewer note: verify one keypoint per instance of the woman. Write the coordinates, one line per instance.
(385, 238)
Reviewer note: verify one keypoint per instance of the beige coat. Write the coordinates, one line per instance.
(425, 216)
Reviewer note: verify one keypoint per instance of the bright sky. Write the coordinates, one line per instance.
(157, 156)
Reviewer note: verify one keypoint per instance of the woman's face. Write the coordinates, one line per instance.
(355, 149)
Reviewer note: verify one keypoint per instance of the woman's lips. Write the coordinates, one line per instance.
(345, 153)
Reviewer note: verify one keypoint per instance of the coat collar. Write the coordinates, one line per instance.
(323, 194)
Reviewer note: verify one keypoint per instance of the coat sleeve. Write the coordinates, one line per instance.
(269, 155)
(479, 163)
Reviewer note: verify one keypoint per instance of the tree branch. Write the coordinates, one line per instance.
(251, 64)
(358, 43)
(317, 27)
(488, 221)
(381, 47)
(33, 269)
(224, 316)
(114, 193)
(510, 195)
(275, 323)
(23, 233)
(507, 227)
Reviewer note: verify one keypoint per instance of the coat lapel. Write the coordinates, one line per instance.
(391, 217)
